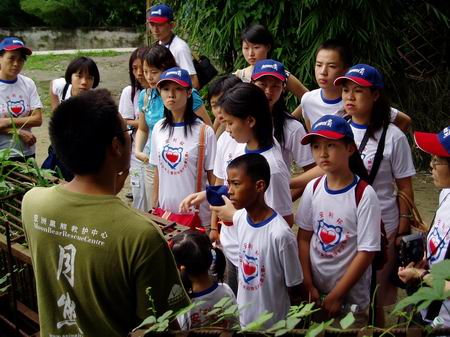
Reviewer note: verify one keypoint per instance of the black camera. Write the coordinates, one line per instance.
(412, 248)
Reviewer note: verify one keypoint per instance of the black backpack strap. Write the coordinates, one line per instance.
(64, 93)
(378, 155)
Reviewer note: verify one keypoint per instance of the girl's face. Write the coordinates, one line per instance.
(332, 156)
(328, 67)
(272, 87)
(241, 130)
(440, 172)
(81, 81)
(358, 100)
(174, 96)
(151, 75)
(11, 64)
(138, 72)
(254, 52)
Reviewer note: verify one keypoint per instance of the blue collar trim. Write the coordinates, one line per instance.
(329, 101)
(205, 292)
(343, 190)
(261, 150)
(262, 223)
(358, 126)
(9, 81)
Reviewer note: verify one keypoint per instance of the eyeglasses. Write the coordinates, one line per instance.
(130, 130)
(435, 162)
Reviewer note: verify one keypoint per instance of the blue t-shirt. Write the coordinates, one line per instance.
(154, 111)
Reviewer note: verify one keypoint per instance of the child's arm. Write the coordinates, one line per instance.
(295, 86)
(304, 239)
(141, 139)
(297, 113)
(303, 179)
(203, 114)
(214, 233)
(333, 301)
(402, 121)
(155, 188)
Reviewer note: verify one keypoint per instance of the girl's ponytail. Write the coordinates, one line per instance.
(218, 264)
(355, 162)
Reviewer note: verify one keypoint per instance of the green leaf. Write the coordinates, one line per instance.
(258, 324)
(164, 316)
(150, 320)
(316, 329)
(348, 320)
(223, 302)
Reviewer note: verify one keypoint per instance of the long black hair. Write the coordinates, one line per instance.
(381, 113)
(138, 53)
(83, 64)
(247, 100)
(280, 116)
(194, 251)
(355, 161)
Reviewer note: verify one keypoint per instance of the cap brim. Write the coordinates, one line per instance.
(307, 139)
(360, 81)
(28, 51)
(158, 19)
(269, 73)
(429, 143)
(180, 82)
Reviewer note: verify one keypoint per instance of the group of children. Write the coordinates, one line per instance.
(352, 168)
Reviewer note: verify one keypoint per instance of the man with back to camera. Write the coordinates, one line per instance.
(161, 22)
(94, 256)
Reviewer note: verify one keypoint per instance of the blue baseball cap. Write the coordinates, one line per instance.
(269, 68)
(437, 144)
(214, 194)
(160, 13)
(13, 43)
(330, 127)
(176, 75)
(363, 75)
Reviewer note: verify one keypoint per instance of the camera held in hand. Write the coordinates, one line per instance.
(412, 248)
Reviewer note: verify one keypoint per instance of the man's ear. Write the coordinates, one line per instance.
(189, 93)
(376, 95)
(116, 147)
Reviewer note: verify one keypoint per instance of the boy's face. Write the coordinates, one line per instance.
(241, 188)
(161, 31)
(215, 108)
(331, 155)
(328, 67)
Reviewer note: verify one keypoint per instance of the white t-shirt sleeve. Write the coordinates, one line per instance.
(393, 114)
(278, 195)
(303, 218)
(401, 161)
(35, 100)
(369, 220)
(183, 56)
(303, 103)
(218, 160)
(154, 145)
(302, 154)
(126, 107)
(210, 148)
(288, 256)
(58, 87)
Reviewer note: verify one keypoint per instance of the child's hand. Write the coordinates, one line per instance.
(409, 273)
(226, 211)
(214, 235)
(332, 306)
(314, 295)
(194, 199)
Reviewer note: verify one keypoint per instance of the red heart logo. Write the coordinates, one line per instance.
(327, 236)
(249, 269)
(432, 246)
(172, 156)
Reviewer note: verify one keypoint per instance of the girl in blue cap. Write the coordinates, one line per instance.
(438, 238)
(366, 103)
(20, 105)
(182, 146)
(339, 218)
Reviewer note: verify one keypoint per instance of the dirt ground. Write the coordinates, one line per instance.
(114, 76)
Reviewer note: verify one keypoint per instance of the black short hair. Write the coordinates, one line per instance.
(21, 50)
(342, 47)
(222, 84)
(254, 165)
(194, 251)
(81, 129)
(160, 57)
(83, 64)
(247, 100)
(258, 34)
